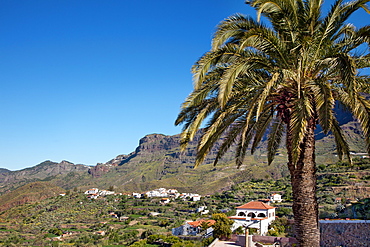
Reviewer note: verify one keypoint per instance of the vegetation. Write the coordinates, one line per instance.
(283, 79)
(28, 193)
(221, 229)
(77, 221)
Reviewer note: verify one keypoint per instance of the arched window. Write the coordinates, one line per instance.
(241, 214)
(252, 215)
(261, 215)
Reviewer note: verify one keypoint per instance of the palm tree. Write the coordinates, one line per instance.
(281, 79)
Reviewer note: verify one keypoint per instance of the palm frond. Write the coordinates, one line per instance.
(230, 138)
(274, 139)
(340, 141)
(324, 102)
(261, 126)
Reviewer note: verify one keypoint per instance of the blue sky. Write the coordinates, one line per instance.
(84, 80)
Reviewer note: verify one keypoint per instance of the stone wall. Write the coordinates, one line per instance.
(346, 233)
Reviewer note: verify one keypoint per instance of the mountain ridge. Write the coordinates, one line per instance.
(159, 162)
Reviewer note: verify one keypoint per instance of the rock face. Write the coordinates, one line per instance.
(159, 161)
(156, 148)
(157, 143)
(100, 169)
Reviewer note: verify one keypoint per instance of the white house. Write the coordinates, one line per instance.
(201, 209)
(136, 195)
(161, 192)
(193, 228)
(254, 214)
(165, 200)
(106, 192)
(92, 191)
(196, 197)
(275, 198)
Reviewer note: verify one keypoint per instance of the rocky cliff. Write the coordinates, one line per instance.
(159, 162)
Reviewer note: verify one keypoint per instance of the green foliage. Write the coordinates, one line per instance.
(239, 230)
(284, 211)
(31, 192)
(207, 241)
(56, 231)
(83, 218)
(278, 227)
(221, 229)
(163, 240)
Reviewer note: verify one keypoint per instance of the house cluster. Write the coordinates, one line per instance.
(254, 214)
(94, 193)
(167, 195)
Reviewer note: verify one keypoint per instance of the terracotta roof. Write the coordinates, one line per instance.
(236, 217)
(199, 222)
(255, 205)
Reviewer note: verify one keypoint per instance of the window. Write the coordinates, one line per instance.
(252, 215)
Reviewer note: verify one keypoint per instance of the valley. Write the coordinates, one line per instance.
(46, 204)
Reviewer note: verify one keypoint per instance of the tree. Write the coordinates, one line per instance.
(222, 227)
(205, 225)
(281, 79)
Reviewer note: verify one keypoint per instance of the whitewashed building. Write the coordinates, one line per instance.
(92, 191)
(193, 228)
(275, 198)
(254, 214)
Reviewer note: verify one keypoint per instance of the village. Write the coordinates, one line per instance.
(254, 217)
(255, 214)
(259, 209)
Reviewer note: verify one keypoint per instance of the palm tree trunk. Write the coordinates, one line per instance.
(303, 180)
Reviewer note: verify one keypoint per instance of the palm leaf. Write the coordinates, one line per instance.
(274, 139)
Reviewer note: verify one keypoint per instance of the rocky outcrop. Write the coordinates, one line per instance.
(157, 143)
(43, 171)
(100, 169)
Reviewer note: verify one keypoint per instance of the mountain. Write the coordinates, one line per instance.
(159, 162)
(45, 171)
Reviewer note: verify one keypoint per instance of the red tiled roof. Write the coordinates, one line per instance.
(199, 222)
(255, 205)
(236, 217)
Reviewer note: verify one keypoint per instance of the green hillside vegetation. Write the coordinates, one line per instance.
(29, 193)
(82, 219)
(38, 224)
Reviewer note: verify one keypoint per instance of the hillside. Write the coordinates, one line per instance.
(32, 192)
(60, 174)
(126, 219)
(158, 162)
